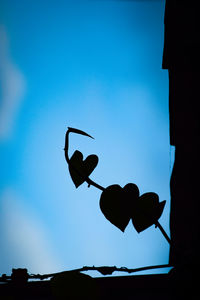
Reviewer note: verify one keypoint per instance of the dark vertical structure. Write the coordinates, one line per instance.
(181, 56)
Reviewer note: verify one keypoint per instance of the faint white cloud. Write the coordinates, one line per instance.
(25, 241)
(12, 87)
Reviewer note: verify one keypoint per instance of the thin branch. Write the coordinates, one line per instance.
(104, 270)
(91, 182)
(163, 232)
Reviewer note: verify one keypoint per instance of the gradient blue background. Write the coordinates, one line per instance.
(96, 66)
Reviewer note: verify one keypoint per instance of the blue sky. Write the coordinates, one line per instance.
(96, 66)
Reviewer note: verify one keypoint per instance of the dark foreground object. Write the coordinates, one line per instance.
(138, 287)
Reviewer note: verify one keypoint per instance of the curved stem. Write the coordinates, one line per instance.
(67, 146)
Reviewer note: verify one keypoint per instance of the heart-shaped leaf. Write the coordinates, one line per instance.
(147, 211)
(80, 169)
(116, 204)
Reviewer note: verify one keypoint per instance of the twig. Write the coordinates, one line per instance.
(104, 270)
(91, 182)
(163, 232)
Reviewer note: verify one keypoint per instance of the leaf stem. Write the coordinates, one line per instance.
(163, 232)
(96, 185)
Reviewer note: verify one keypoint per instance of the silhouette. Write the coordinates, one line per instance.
(79, 169)
(85, 167)
(119, 205)
(181, 56)
(19, 276)
(75, 285)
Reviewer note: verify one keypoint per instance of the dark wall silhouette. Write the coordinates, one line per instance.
(181, 58)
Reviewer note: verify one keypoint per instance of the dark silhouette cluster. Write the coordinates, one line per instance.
(119, 205)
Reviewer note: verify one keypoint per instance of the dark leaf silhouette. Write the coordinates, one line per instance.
(116, 203)
(80, 169)
(147, 211)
